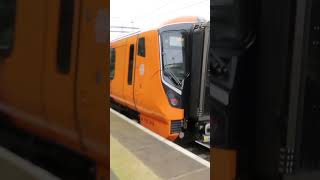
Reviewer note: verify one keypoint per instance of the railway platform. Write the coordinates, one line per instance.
(138, 153)
(14, 167)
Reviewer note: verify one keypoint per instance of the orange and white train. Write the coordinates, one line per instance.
(150, 73)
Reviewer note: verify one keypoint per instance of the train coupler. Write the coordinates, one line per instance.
(203, 131)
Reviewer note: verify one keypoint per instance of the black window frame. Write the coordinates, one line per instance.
(112, 63)
(131, 63)
(142, 47)
(65, 36)
(7, 27)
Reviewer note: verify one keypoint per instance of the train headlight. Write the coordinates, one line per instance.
(173, 97)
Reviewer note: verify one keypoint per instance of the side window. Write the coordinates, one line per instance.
(65, 36)
(141, 47)
(112, 62)
(7, 23)
(130, 68)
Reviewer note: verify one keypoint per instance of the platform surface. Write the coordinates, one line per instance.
(137, 154)
(13, 167)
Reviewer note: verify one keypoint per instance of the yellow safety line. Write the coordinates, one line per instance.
(126, 165)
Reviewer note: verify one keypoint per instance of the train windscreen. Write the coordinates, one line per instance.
(173, 45)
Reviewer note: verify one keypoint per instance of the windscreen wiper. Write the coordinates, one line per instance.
(173, 77)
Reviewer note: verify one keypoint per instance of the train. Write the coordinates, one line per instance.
(152, 75)
(53, 66)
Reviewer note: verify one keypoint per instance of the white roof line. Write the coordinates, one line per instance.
(176, 23)
(125, 36)
(161, 26)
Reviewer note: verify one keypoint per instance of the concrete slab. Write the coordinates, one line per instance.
(161, 159)
(197, 174)
(118, 128)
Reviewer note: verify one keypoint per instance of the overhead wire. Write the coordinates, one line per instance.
(153, 13)
(158, 11)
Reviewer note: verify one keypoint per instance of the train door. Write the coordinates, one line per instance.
(60, 68)
(129, 76)
(140, 71)
(91, 87)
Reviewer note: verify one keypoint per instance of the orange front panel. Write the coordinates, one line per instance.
(150, 96)
(161, 127)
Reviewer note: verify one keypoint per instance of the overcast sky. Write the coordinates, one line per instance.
(145, 14)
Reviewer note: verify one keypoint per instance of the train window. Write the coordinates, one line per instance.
(65, 36)
(141, 47)
(173, 45)
(112, 62)
(130, 68)
(7, 22)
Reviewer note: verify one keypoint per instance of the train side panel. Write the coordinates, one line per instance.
(21, 71)
(60, 69)
(91, 94)
(142, 71)
(117, 82)
(24, 91)
(52, 82)
(128, 83)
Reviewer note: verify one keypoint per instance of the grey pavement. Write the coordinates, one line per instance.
(163, 160)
